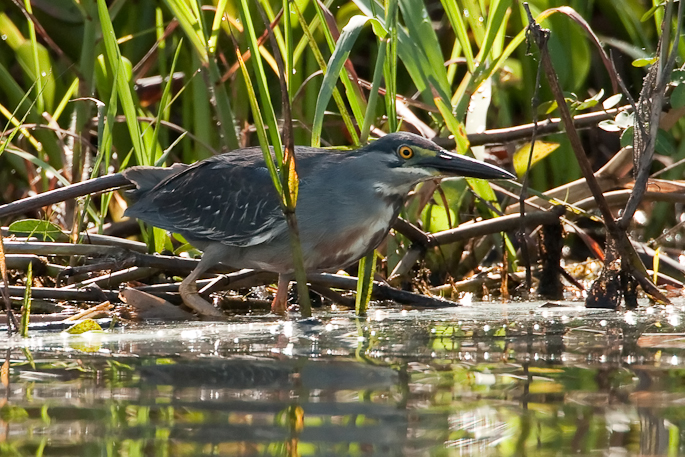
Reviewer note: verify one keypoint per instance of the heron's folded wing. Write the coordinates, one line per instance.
(215, 200)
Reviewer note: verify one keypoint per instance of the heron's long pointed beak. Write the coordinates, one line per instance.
(458, 165)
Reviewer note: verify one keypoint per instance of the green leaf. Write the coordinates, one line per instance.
(650, 12)
(639, 63)
(587, 104)
(104, 75)
(25, 56)
(665, 143)
(161, 239)
(678, 96)
(547, 107)
(627, 137)
(590, 102)
(540, 151)
(35, 227)
(436, 219)
(678, 76)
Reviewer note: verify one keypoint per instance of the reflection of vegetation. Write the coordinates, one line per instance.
(488, 394)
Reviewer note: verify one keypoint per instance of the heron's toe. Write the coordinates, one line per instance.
(198, 304)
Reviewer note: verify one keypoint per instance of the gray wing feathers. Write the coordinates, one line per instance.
(211, 200)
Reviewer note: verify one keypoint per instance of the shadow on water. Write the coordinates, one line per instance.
(489, 379)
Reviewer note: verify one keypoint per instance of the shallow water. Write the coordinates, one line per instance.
(488, 379)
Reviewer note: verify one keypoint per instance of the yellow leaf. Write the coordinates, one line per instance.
(87, 325)
(541, 150)
(455, 127)
(293, 182)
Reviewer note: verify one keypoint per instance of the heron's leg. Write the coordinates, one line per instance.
(188, 290)
(280, 303)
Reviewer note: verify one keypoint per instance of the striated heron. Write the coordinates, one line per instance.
(227, 206)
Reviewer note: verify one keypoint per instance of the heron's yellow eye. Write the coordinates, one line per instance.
(406, 152)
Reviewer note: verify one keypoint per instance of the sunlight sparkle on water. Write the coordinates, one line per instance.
(191, 334)
(630, 318)
(288, 329)
(674, 320)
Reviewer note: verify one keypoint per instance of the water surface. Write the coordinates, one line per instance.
(486, 379)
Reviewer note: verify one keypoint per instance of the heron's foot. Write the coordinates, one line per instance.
(280, 303)
(198, 304)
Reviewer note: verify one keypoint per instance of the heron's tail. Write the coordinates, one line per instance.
(146, 178)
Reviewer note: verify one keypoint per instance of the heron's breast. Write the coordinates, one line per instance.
(351, 243)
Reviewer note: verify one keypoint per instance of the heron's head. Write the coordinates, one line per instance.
(405, 156)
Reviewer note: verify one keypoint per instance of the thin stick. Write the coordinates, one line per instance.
(109, 182)
(5, 290)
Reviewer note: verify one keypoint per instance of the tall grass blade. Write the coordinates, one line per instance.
(354, 96)
(26, 306)
(369, 116)
(267, 107)
(123, 88)
(335, 65)
(337, 97)
(390, 68)
(367, 267)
